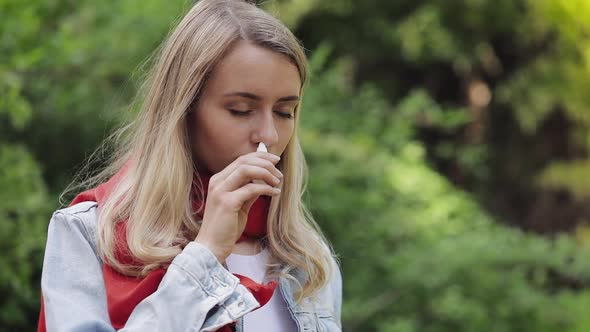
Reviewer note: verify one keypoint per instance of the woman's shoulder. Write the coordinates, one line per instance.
(79, 208)
(83, 214)
(74, 226)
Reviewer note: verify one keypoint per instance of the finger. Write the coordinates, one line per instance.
(246, 174)
(261, 159)
(264, 163)
(249, 203)
(250, 192)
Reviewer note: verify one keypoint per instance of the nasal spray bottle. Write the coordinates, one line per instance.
(261, 148)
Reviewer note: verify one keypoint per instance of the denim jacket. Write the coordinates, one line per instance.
(197, 292)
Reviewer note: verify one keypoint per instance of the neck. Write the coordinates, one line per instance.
(248, 247)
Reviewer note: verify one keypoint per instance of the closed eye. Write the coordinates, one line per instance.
(239, 113)
(285, 115)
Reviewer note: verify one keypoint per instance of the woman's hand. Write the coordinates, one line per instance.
(231, 194)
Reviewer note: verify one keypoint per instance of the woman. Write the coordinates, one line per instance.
(189, 200)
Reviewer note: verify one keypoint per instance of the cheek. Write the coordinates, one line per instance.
(217, 132)
(220, 139)
(287, 129)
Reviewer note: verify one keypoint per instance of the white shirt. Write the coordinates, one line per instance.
(274, 316)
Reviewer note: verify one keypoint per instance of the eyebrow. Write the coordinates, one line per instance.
(258, 98)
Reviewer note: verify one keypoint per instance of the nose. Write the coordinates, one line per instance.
(265, 130)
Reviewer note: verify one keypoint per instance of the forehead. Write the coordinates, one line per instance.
(250, 68)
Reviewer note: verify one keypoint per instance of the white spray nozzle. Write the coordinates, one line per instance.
(261, 147)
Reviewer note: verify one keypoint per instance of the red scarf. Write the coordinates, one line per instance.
(124, 293)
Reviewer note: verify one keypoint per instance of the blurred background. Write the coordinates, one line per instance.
(448, 145)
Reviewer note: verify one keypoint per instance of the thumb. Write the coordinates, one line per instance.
(248, 204)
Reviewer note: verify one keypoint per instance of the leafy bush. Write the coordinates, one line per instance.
(23, 215)
(418, 254)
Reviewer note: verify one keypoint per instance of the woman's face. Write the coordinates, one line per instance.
(250, 98)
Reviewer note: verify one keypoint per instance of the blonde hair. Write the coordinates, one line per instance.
(161, 220)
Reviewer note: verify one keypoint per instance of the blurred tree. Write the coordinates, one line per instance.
(489, 93)
(64, 68)
(72, 63)
(418, 254)
(515, 72)
(23, 214)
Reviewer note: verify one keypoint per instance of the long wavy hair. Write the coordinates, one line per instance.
(156, 192)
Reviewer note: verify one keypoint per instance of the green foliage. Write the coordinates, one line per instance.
(73, 64)
(558, 78)
(567, 174)
(23, 217)
(64, 67)
(417, 253)
(23, 201)
(23, 208)
(509, 67)
(435, 261)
